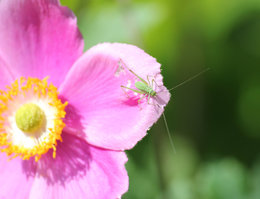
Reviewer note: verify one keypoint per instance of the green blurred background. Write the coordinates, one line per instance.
(214, 119)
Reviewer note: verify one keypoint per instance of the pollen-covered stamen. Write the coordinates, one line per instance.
(30, 118)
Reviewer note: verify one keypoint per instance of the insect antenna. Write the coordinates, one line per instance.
(164, 118)
(169, 134)
(191, 78)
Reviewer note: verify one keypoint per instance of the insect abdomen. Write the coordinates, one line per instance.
(145, 88)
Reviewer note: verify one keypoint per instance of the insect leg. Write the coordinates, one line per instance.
(121, 61)
(141, 98)
(145, 82)
(153, 81)
(123, 88)
(134, 90)
(148, 99)
(149, 83)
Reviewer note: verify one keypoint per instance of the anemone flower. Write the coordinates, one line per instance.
(64, 119)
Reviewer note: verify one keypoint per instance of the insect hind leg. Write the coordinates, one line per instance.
(141, 98)
(123, 89)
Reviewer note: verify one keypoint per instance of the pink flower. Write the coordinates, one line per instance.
(45, 154)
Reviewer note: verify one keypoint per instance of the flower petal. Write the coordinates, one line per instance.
(16, 177)
(80, 171)
(6, 77)
(99, 109)
(39, 38)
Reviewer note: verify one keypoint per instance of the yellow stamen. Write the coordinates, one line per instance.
(39, 90)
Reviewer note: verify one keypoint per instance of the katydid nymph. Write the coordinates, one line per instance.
(145, 88)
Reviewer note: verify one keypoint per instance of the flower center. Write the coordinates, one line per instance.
(29, 118)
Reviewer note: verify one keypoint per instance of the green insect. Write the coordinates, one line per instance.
(146, 89)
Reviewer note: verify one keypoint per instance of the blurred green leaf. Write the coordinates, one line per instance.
(249, 109)
(222, 179)
(255, 181)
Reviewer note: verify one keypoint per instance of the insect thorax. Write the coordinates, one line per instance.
(153, 93)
